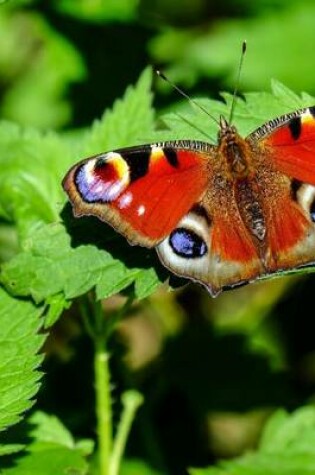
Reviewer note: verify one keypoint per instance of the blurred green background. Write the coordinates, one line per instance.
(211, 370)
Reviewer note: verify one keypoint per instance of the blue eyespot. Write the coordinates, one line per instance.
(312, 211)
(186, 243)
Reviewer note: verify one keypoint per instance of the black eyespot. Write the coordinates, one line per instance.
(186, 243)
(312, 211)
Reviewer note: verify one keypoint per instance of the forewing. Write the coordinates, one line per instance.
(143, 192)
(290, 143)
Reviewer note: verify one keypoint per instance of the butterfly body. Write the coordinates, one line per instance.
(221, 215)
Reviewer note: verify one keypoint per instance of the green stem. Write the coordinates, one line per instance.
(131, 400)
(103, 407)
(100, 329)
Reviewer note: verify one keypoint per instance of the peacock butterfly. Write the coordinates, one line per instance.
(221, 215)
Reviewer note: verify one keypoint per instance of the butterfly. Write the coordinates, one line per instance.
(221, 215)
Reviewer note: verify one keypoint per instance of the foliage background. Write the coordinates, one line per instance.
(211, 371)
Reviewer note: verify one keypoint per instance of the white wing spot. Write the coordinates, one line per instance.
(141, 210)
(125, 200)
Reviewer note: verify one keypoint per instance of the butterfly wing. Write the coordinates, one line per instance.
(209, 225)
(143, 192)
(290, 142)
(285, 147)
(169, 195)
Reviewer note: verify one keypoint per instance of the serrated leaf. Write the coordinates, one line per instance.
(19, 359)
(50, 266)
(251, 113)
(49, 429)
(52, 461)
(146, 283)
(128, 123)
(30, 189)
(33, 163)
(8, 449)
(52, 449)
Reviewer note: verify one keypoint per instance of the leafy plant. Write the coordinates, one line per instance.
(61, 260)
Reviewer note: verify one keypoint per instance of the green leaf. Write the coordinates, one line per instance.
(33, 163)
(128, 123)
(287, 448)
(52, 461)
(50, 266)
(56, 305)
(8, 449)
(31, 193)
(285, 430)
(250, 113)
(19, 359)
(52, 450)
(49, 429)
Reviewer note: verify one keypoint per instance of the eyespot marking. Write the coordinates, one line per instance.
(186, 243)
(102, 179)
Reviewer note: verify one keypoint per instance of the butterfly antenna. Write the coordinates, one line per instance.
(183, 93)
(240, 66)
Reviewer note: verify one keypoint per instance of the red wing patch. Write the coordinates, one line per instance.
(231, 240)
(154, 204)
(142, 192)
(292, 147)
(287, 226)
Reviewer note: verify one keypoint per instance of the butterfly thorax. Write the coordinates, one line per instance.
(235, 150)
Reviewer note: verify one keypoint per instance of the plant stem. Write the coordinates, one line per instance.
(131, 401)
(103, 406)
(100, 329)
